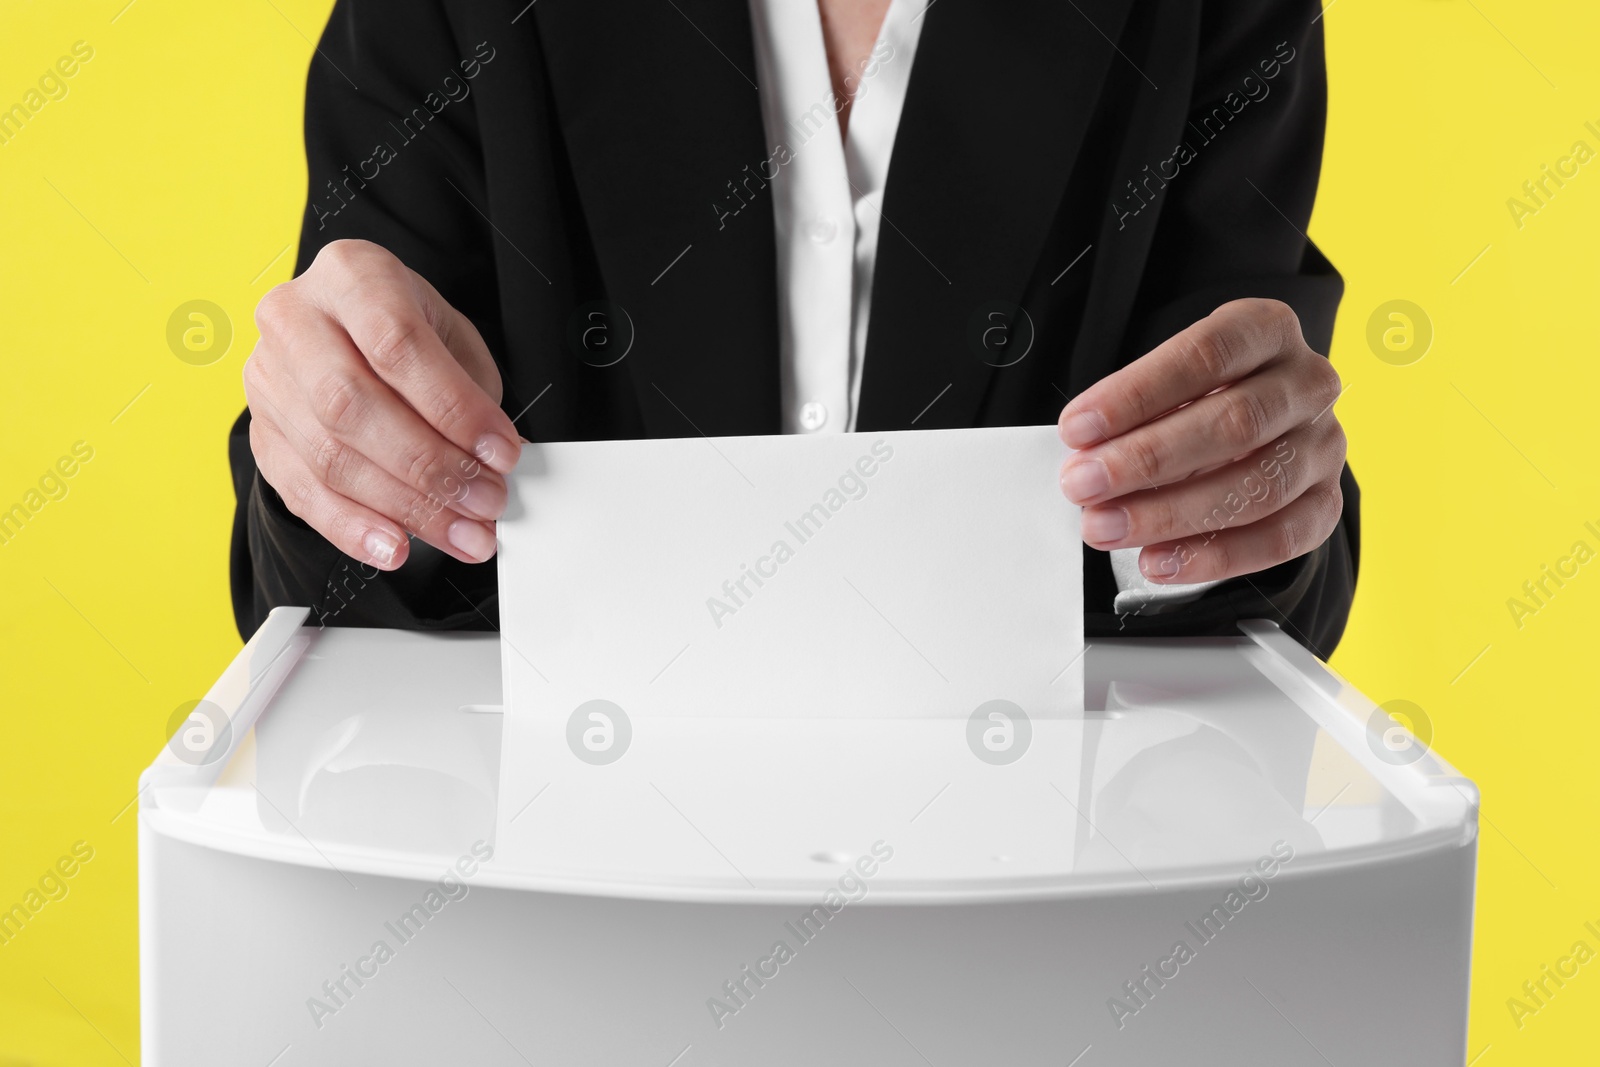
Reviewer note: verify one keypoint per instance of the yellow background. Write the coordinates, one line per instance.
(173, 171)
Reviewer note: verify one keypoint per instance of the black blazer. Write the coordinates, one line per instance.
(530, 166)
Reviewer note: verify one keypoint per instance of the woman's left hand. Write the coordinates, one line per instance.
(1218, 452)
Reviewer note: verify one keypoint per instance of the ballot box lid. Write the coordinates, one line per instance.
(1194, 761)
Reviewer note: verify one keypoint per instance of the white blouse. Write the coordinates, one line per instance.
(827, 195)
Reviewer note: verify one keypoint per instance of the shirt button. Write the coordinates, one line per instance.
(822, 230)
(813, 415)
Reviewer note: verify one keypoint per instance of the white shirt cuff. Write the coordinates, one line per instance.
(1137, 595)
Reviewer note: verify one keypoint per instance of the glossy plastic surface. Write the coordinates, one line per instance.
(379, 752)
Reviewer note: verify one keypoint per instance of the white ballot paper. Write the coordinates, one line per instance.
(842, 626)
(913, 573)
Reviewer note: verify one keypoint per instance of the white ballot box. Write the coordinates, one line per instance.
(1226, 855)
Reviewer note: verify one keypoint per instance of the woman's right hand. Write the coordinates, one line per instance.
(375, 410)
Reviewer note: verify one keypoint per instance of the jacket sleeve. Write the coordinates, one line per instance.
(392, 155)
(1232, 224)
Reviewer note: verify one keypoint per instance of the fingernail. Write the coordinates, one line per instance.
(1102, 526)
(1083, 428)
(380, 547)
(474, 539)
(1085, 480)
(483, 497)
(495, 452)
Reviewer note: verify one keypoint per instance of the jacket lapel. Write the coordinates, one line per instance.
(1000, 100)
(659, 110)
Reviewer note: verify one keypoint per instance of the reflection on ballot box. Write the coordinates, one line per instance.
(1219, 858)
